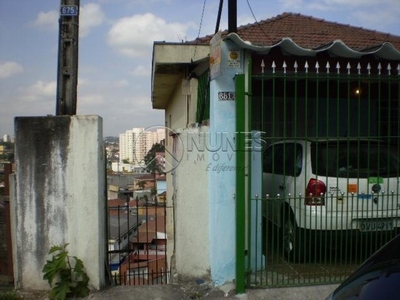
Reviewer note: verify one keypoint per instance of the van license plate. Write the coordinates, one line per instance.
(375, 225)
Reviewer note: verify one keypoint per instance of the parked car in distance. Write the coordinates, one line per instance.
(330, 185)
(377, 278)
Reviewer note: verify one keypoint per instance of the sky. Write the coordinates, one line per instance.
(115, 49)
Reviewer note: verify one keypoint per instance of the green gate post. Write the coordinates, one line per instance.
(240, 183)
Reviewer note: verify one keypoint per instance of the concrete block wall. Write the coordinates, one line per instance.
(59, 195)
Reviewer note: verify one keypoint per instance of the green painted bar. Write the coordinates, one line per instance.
(248, 154)
(240, 183)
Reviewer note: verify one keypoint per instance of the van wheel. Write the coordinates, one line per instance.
(293, 241)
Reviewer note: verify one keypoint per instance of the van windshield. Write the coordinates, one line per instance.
(354, 159)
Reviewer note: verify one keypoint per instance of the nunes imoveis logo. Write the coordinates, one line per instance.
(192, 144)
(221, 147)
(162, 160)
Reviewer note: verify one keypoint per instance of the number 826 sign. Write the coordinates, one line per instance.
(226, 95)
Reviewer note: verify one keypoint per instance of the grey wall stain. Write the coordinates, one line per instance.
(41, 155)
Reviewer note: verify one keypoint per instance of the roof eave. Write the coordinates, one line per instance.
(168, 66)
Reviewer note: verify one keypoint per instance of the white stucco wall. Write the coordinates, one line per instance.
(59, 195)
(191, 209)
(187, 189)
(173, 119)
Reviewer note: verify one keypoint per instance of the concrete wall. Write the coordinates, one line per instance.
(222, 174)
(203, 186)
(190, 188)
(174, 119)
(59, 195)
(187, 189)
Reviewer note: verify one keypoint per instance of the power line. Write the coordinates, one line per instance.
(202, 16)
(255, 19)
(201, 23)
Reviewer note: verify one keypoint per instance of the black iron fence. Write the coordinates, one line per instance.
(137, 242)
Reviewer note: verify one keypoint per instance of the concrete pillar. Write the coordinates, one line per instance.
(59, 195)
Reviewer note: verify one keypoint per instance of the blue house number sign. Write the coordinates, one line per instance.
(69, 10)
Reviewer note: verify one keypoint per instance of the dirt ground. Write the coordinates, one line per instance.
(187, 289)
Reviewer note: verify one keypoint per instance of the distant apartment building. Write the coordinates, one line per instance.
(6, 138)
(135, 143)
(126, 145)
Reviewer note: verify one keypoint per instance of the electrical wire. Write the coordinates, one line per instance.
(202, 16)
(201, 24)
(255, 19)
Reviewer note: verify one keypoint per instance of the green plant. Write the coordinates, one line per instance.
(153, 191)
(68, 271)
(141, 184)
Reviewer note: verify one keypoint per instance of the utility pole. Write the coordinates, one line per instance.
(67, 69)
(232, 16)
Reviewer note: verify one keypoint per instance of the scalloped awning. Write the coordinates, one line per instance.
(336, 48)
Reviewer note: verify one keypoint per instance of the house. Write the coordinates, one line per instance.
(143, 182)
(161, 198)
(161, 184)
(160, 164)
(125, 185)
(147, 263)
(123, 226)
(147, 272)
(269, 77)
(151, 238)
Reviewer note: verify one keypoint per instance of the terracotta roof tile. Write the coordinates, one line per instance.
(148, 230)
(116, 202)
(145, 176)
(309, 32)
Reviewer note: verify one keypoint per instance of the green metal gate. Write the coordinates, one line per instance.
(322, 187)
